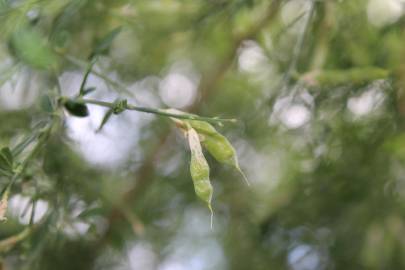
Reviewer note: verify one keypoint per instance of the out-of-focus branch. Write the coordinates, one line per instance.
(399, 76)
(8, 243)
(323, 33)
(353, 76)
(211, 80)
(292, 69)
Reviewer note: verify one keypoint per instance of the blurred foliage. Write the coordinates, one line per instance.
(317, 88)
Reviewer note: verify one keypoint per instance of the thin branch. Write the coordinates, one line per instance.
(160, 112)
(338, 77)
(298, 47)
(323, 32)
(119, 87)
(86, 76)
(10, 242)
(208, 85)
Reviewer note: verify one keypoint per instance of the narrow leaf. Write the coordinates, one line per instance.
(6, 153)
(103, 46)
(32, 49)
(5, 173)
(91, 212)
(6, 161)
(46, 104)
(88, 91)
(106, 117)
(86, 76)
(19, 148)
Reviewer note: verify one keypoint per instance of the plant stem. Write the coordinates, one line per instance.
(292, 69)
(357, 75)
(86, 76)
(8, 243)
(82, 64)
(160, 112)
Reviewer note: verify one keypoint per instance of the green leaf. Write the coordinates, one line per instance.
(32, 49)
(119, 107)
(86, 76)
(199, 169)
(91, 212)
(217, 145)
(106, 117)
(76, 108)
(5, 173)
(46, 104)
(6, 162)
(6, 153)
(21, 146)
(88, 91)
(103, 46)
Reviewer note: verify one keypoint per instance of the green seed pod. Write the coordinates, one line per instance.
(76, 108)
(217, 145)
(199, 169)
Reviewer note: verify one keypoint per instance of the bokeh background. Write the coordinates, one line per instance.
(317, 88)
